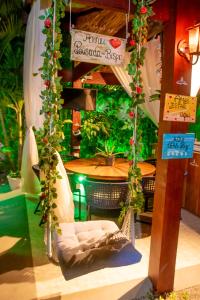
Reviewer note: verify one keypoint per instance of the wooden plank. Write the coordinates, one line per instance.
(110, 79)
(45, 4)
(76, 125)
(118, 5)
(192, 197)
(96, 168)
(170, 173)
(82, 69)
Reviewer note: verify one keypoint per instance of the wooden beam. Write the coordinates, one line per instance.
(45, 4)
(110, 79)
(170, 173)
(82, 69)
(161, 10)
(118, 5)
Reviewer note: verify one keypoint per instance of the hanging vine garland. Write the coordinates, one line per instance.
(52, 134)
(143, 11)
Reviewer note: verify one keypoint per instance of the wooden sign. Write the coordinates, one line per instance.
(177, 145)
(97, 48)
(180, 108)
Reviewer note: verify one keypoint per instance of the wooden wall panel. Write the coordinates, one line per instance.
(170, 173)
(192, 193)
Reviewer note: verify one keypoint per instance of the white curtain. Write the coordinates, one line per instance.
(151, 76)
(65, 205)
(195, 82)
(34, 45)
(30, 182)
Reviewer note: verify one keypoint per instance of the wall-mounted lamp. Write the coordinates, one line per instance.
(190, 50)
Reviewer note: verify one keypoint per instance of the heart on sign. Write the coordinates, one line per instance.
(115, 43)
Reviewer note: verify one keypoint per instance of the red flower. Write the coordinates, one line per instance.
(143, 10)
(132, 43)
(47, 83)
(130, 163)
(138, 90)
(55, 55)
(45, 140)
(42, 196)
(47, 23)
(44, 218)
(131, 114)
(131, 141)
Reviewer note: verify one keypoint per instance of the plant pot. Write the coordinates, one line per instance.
(110, 160)
(14, 182)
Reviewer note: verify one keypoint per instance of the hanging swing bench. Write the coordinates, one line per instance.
(84, 242)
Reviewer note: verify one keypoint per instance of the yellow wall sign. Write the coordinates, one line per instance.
(180, 108)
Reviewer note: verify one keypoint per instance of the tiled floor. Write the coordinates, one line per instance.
(188, 256)
(108, 283)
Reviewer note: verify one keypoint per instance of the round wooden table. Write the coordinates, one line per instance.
(95, 168)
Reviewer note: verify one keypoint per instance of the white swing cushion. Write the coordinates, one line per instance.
(84, 241)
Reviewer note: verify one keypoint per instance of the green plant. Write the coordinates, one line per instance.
(139, 31)
(195, 127)
(11, 24)
(108, 150)
(11, 100)
(15, 174)
(52, 134)
(174, 296)
(65, 60)
(95, 123)
(180, 295)
(11, 93)
(112, 112)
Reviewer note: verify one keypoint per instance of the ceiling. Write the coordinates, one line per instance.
(106, 17)
(102, 19)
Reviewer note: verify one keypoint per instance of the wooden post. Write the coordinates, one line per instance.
(170, 173)
(76, 125)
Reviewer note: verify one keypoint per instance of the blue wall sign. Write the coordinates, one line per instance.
(177, 145)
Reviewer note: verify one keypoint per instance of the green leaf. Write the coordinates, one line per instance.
(42, 17)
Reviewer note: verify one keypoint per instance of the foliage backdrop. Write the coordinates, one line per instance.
(110, 122)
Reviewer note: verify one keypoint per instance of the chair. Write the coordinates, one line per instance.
(83, 242)
(148, 187)
(152, 161)
(76, 191)
(36, 170)
(105, 195)
(73, 181)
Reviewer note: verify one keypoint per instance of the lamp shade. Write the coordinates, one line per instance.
(194, 39)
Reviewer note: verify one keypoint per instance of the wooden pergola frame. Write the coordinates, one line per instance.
(177, 16)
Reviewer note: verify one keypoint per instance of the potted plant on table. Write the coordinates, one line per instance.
(108, 153)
